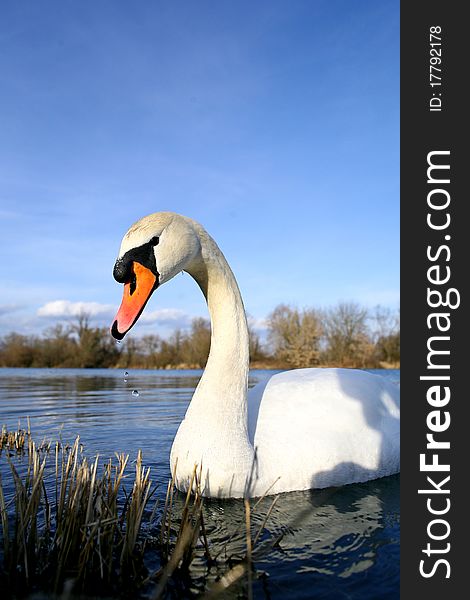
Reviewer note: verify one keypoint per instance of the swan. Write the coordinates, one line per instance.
(299, 429)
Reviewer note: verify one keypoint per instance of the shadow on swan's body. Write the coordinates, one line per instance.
(300, 429)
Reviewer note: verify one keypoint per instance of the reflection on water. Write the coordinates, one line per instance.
(334, 543)
(331, 543)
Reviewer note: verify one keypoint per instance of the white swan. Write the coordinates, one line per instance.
(301, 429)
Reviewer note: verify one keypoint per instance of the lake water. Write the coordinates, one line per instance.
(331, 544)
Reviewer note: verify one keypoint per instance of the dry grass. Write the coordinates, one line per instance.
(69, 524)
(70, 520)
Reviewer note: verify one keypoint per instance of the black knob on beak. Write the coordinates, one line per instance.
(122, 271)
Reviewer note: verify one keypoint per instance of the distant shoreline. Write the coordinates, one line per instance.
(184, 367)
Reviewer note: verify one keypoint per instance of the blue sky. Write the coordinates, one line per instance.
(275, 124)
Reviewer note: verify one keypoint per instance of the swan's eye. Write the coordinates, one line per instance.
(154, 241)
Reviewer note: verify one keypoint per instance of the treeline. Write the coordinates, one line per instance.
(70, 346)
(347, 335)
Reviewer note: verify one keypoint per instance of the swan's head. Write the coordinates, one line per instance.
(154, 250)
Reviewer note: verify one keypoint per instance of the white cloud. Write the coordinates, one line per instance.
(68, 309)
(167, 316)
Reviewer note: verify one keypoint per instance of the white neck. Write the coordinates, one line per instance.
(224, 383)
(214, 430)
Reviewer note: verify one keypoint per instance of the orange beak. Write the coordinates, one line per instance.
(137, 292)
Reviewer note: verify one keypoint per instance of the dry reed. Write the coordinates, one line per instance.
(69, 526)
(88, 534)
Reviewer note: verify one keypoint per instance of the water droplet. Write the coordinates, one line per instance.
(118, 342)
(135, 393)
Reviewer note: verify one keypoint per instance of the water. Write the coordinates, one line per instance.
(331, 544)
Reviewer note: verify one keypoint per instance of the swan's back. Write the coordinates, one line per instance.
(317, 428)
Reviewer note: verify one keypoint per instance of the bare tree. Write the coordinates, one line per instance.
(295, 335)
(95, 347)
(196, 346)
(256, 349)
(17, 350)
(58, 348)
(386, 324)
(346, 335)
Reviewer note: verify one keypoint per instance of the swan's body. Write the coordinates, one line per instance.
(300, 429)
